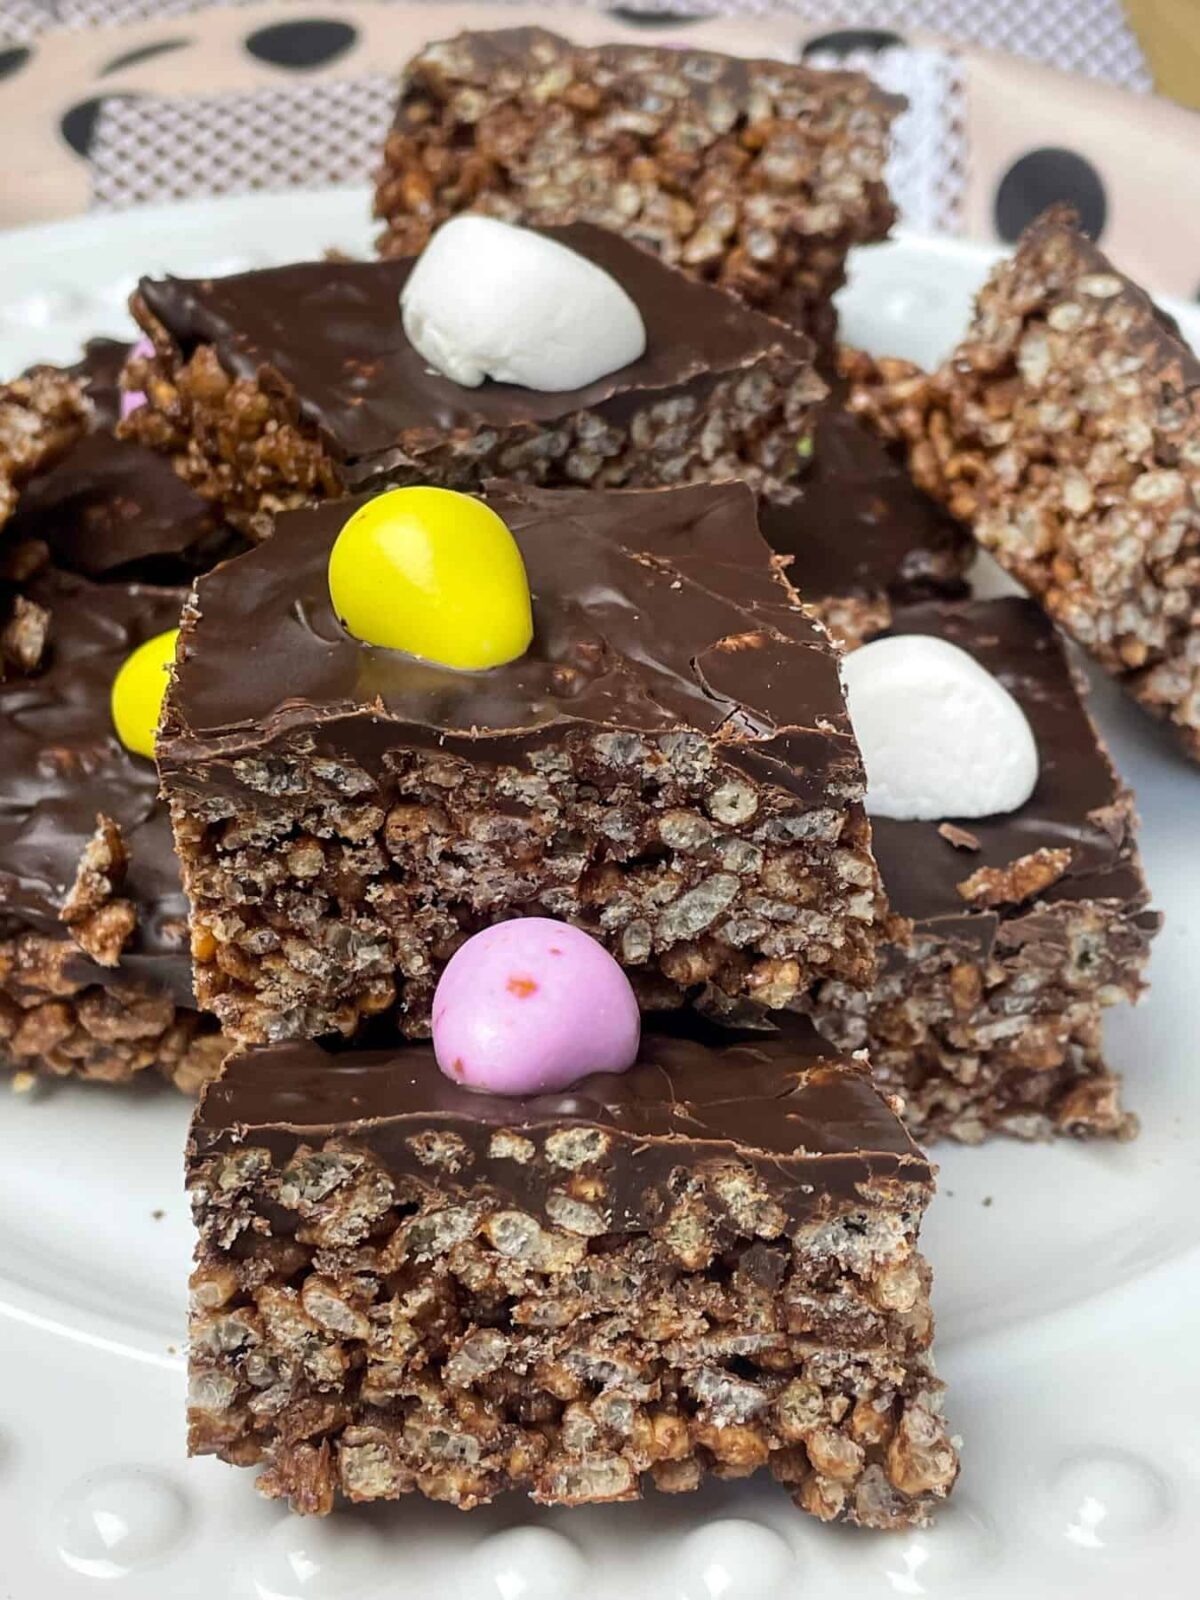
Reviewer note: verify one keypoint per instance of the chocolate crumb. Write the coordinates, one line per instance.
(23, 637)
(960, 838)
(996, 886)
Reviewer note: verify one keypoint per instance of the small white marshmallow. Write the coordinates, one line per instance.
(490, 300)
(939, 735)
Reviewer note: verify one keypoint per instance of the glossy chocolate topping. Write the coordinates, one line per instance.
(654, 610)
(810, 1124)
(63, 764)
(113, 509)
(859, 524)
(1078, 800)
(328, 334)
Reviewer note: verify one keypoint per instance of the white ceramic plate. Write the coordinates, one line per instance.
(1066, 1276)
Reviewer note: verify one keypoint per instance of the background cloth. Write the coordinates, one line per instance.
(1012, 103)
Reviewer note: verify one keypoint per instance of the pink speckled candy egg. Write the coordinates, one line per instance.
(131, 399)
(531, 1006)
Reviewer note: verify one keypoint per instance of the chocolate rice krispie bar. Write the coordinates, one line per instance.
(94, 970)
(1009, 935)
(757, 175)
(1065, 430)
(703, 1267)
(670, 767)
(41, 414)
(294, 384)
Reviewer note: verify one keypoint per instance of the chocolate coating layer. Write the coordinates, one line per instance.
(328, 335)
(63, 764)
(653, 610)
(100, 371)
(859, 525)
(809, 1123)
(1077, 803)
(113, 509)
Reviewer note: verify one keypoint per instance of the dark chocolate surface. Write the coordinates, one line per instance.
(786, 1103)
(1075, 805)
(329, 334)
(653, 610)
(859, 524)
(63, 764)
(100, 371)
(112, 509)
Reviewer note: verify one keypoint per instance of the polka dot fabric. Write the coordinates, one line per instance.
(1086, 36)
(173, 98)
(156, 149)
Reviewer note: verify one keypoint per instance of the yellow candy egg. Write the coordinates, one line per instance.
(138, 690)
(436, 574)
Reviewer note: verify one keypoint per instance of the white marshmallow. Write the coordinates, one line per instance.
(490, 300)
(939, 735)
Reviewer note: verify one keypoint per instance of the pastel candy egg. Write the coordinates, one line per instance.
(940, 736)
(531, 1006)
(131, 399)
(138, 691)
(434, 573)
(487, 299)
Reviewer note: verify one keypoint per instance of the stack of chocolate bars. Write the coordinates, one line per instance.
(703, 1259)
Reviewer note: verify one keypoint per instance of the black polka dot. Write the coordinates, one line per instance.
(78, 125)
(302, 44)
(655, 19)
(847, 40)
(147, 52)
(13, 60)
(1042, 178)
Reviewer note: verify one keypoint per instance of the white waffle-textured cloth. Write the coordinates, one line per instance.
(298, 134)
